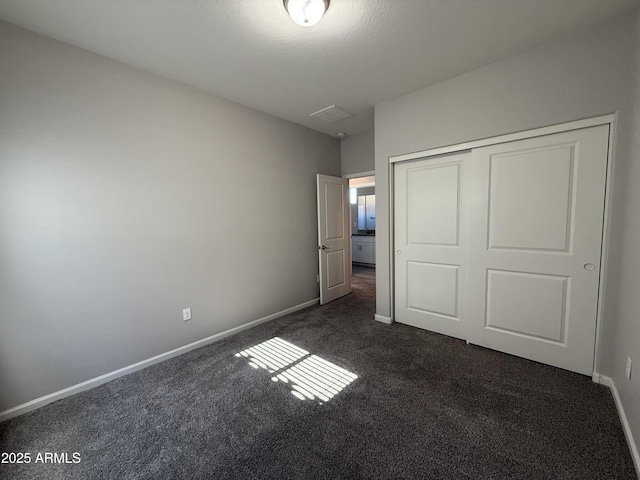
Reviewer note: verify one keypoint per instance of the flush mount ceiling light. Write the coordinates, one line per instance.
(306, 12)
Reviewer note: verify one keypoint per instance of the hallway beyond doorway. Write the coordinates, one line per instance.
(361, 271)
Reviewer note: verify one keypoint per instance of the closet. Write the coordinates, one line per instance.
(500, 245)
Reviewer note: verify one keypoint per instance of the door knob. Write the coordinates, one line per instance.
(589, 267)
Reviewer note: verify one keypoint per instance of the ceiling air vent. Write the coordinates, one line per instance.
(332, 114)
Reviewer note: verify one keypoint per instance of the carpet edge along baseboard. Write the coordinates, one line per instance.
(626, 427)
(107, 377)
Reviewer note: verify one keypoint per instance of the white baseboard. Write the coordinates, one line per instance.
(94, 382)
(383, 319)
(608, 381)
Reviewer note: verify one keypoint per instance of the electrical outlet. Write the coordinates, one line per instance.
(629, 363)
(186, 314)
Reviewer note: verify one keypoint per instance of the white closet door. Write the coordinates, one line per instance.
(430, 244)
(535, 246)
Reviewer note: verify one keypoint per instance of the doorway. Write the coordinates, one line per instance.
(363, 225)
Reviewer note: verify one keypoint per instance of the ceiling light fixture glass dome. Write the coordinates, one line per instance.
(306, 12)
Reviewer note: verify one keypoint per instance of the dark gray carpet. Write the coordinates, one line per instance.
(362, 271)
(423, 406)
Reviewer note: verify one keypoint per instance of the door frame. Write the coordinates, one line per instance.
(610, 120)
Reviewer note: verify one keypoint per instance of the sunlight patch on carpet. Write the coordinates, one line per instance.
(273, 354)
(310, 376)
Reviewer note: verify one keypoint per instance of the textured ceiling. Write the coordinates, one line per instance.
(362, 52)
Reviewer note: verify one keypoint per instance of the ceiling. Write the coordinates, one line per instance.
(362, 52)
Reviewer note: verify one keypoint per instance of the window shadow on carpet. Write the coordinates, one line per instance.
(310, 376)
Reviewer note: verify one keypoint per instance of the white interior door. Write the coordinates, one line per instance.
(535, 248)
(430, 244)
(334, 238)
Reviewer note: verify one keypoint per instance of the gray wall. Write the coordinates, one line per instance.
(623, 302)
(587, 74)
(357, 153)
(125, 197)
